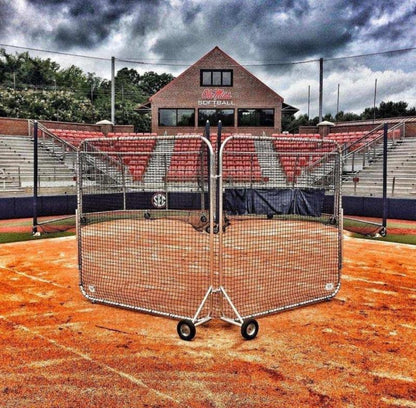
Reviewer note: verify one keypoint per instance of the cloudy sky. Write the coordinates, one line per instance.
(264, 36)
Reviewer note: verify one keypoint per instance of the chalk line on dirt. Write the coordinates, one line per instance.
(86, 357)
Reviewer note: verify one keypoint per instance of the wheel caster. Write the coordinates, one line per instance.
(186, 329)
(204, 218)
(269, 216)
(249, 329)
(332, 221)
(83, 221)
(216, 229)
(383, 232)
(147, 215)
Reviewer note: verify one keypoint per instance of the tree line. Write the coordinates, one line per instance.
(32, 87)
(384, 110)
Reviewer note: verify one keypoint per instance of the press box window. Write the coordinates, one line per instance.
(256, 117)
(226, 116)
(176, 117)
(216, 77)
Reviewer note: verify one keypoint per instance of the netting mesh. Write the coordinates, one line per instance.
(142, 223)
(280, 249)
(55, 225)
(364, 227)
(159, 231)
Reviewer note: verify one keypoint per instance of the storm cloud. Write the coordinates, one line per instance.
(253, 32)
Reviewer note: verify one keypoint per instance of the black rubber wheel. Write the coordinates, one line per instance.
(203, 218)
(186, 329)
(249, 329)
(383, 232)
(269, 216)
(83, 220)
(332, 221)
(147, 216)
(216, 229)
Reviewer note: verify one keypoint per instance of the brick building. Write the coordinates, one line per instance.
(216, 88)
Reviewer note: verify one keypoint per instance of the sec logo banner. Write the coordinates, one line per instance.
(159, 200)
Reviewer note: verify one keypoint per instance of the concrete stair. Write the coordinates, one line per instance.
(16, 167)
(269, 163)
(401, 173)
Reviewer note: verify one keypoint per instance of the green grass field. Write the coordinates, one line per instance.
(6, 237)
(20, 230)
(401, 239)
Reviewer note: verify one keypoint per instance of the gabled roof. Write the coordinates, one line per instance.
(233, 63)
(289, 109)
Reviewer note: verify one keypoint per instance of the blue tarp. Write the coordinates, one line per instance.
(274, 201)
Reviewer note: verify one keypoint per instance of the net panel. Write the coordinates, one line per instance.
(142, 219)
(364, 227)
(280, 249)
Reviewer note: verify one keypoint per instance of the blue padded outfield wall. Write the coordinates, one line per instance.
(276, 201)
(21, 207)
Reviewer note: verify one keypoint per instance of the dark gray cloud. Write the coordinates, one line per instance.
(269, 30)
(251, 31)
(88, 24)
(283, 31)
(6, 15)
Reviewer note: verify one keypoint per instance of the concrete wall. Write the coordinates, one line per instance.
(410, 127)
(20, 127)
(14, 127)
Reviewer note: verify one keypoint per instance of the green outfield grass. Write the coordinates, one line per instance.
(401, 239)
(6, 237)
(349, 224)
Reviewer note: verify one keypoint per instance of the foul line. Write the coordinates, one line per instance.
(35, 278)
(86, 357)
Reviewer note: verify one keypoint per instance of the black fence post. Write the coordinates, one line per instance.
(217, 190)
(385, 177)
(35, 178)
(208, 136)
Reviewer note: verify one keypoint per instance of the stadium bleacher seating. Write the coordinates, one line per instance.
(240, 161)
(185, 163)
(136, 163)
(240, 164)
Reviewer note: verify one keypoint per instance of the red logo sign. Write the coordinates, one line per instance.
(216, 94)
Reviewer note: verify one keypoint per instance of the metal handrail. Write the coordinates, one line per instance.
(65, 146)
(349, 151)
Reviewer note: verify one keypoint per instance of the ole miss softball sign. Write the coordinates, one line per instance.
(215, 97)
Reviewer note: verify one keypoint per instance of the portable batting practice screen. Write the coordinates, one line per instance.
(196, 228)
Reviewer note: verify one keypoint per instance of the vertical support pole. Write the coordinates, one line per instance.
(207, 136)
(79, 212)
(385, 176)
(35, 178)
(375, 98)
(321, 86)
(123, 180)
(217, 183)
(309, 100)
(337, 100)
(113, 91)
(165, 179)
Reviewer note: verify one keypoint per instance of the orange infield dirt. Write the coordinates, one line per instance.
(59, 350)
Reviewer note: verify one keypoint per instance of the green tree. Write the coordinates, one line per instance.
(346, 117)
(151, 82)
